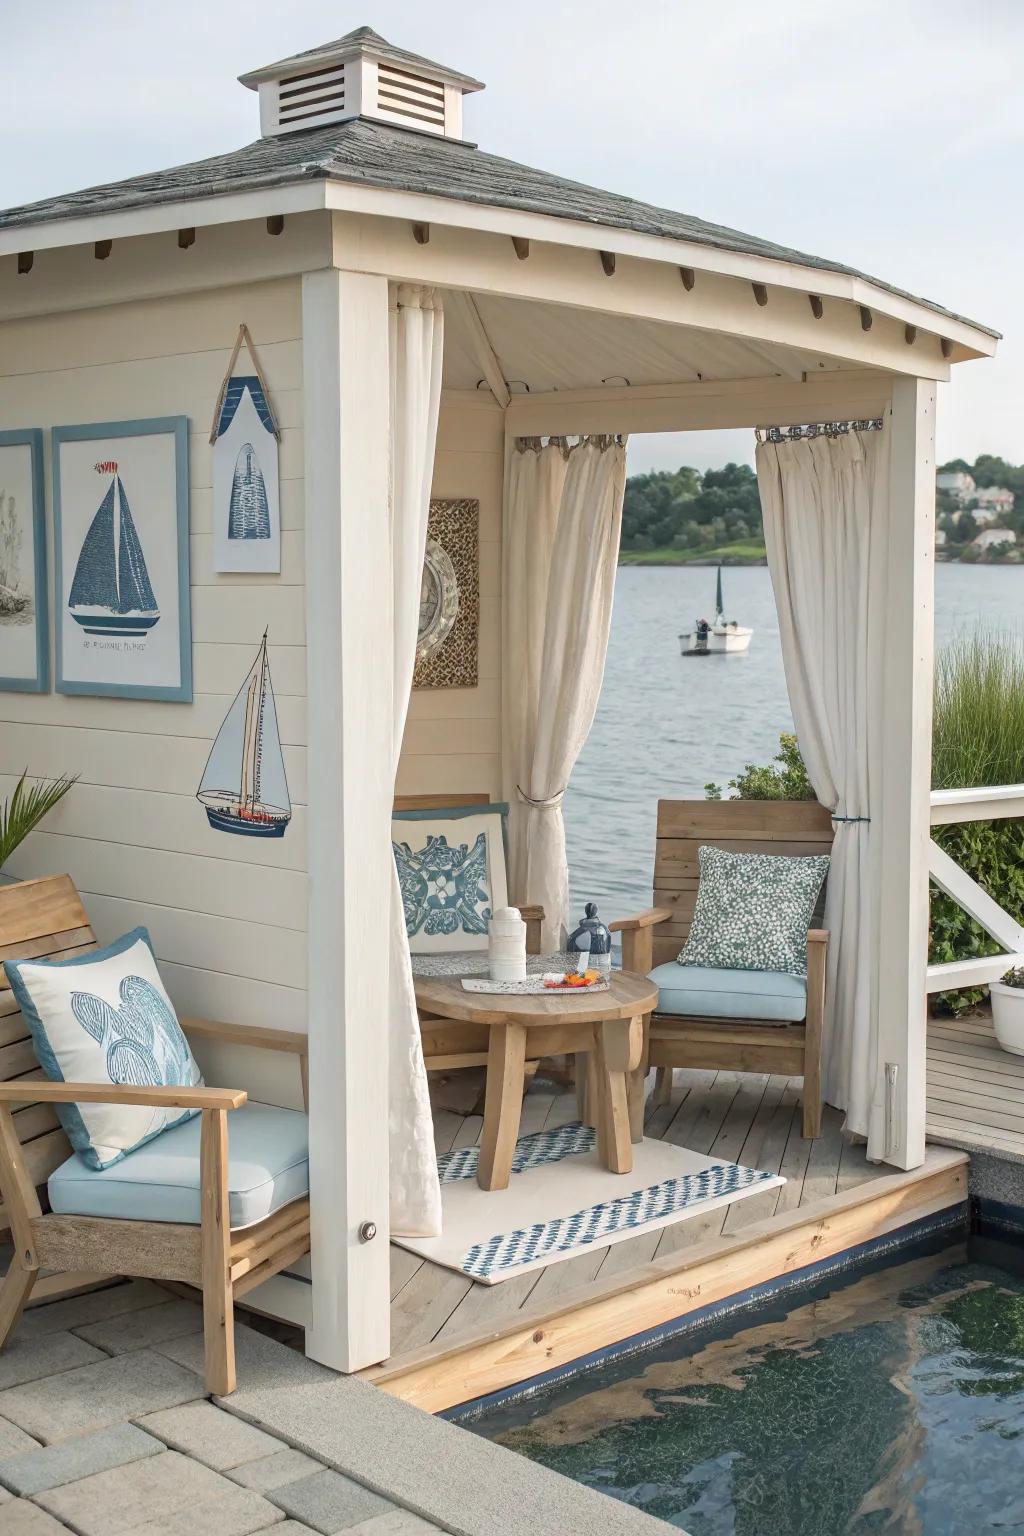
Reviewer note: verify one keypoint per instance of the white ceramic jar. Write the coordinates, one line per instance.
(507, 936)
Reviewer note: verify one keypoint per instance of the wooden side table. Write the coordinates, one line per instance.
(608, 1024)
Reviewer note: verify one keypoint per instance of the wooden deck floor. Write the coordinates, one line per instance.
(975, 1089)
(746, 1118)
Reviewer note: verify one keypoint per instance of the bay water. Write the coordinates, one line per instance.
(667, 724)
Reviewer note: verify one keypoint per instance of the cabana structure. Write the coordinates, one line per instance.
(424, 313)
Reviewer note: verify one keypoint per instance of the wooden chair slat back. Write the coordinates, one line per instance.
(439, 802)
(787, 827)
(39, 920)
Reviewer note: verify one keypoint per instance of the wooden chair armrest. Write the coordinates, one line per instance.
(817, 935)
(39, 1091)
(295, 1041)
(646, 919)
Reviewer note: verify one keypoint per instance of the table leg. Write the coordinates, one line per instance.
(587, 1095)
(503, 1104)
(639, 1051)
(612, 1065)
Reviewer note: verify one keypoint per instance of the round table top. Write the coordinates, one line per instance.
(627, 996)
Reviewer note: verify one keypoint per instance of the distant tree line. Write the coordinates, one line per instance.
(684, 509)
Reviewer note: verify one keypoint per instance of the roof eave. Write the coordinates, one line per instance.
(319, 191)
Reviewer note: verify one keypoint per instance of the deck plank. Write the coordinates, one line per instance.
(769, 1159)
(727, 1144)
(975, 1090)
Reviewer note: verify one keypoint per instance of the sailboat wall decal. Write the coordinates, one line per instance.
(111, 593)
(244, 788)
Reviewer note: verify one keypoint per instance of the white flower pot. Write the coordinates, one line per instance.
(1008, 1016)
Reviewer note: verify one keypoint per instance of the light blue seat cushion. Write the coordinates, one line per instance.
(697, 991)
(268, 1166)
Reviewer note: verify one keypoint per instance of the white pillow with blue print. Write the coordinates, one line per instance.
(451, 873)
(106, 1018)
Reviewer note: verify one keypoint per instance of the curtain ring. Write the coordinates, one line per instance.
(550, 804)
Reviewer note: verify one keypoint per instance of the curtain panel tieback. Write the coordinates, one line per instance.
(836, 817)
(550, 804)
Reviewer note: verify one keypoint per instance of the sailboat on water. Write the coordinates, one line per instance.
(244, 788)
(721, 637)
(111, 593)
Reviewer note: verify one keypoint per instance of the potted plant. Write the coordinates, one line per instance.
(25, 809)
(1008, 1010)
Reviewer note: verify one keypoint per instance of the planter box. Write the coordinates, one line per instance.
(1008, 1016)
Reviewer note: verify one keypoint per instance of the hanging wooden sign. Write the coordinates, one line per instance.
(246, 496)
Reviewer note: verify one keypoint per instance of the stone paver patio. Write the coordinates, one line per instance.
(106, 1430)
(102, 1433)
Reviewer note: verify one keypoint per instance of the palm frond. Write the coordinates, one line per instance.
(25, 809)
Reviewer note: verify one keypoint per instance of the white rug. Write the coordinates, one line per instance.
(562, 1201)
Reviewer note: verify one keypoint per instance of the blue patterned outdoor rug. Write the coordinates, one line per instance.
(562, 1201)
(545, 1240)
(531, 1152)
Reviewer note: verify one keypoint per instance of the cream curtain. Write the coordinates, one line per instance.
(826, 518)
(417, 342)
(563, 514)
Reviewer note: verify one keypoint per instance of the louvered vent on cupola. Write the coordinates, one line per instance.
(360, 75)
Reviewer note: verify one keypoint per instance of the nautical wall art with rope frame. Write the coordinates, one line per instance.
(246, 498)
(121, 559)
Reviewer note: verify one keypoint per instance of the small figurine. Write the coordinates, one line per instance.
(591, 942)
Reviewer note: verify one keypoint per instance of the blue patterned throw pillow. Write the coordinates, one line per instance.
(105, 1017)
(753, 911)
(451, 872)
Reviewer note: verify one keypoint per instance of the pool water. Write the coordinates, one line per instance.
(891, 1402)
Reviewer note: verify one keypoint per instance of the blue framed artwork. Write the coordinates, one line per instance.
(24, 608)
(121, 559)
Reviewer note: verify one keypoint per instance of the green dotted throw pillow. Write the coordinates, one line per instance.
(753, 911)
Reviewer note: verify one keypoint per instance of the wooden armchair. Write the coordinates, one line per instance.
(45, 919)
(789, 1045)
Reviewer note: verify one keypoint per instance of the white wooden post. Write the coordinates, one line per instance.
(902, 803)
(349, 646)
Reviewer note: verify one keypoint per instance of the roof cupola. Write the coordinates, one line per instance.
(360, 75)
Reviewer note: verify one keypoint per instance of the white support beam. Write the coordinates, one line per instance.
(901, 807)
(349, 645)
(967, 893)
(970, 973)
(710, 403)
(465, 308)
(992, 803)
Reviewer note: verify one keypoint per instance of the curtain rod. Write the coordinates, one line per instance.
(816, 429)
(567, 444)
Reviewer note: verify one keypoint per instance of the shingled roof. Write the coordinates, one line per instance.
(373, 154)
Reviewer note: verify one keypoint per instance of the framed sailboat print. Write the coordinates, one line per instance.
(24, 625)
(120, 515)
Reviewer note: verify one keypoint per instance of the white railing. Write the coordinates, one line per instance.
(995, 803)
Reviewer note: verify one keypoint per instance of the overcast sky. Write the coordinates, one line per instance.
(887, 134)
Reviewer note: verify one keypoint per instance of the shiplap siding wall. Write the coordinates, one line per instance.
(227, 914)
(453, 736)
